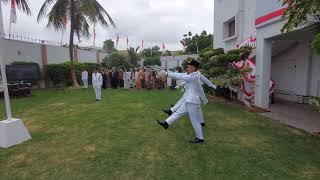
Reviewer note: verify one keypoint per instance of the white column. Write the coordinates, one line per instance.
(263, 69)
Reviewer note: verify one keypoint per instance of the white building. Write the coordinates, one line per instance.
(285, 58)
(171, 62)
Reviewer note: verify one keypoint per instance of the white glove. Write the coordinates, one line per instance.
(214, 87)
(163, 73)
(205, 102)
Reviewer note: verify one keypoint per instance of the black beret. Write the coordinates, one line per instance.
(194, 63)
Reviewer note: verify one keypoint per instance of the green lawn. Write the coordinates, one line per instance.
(75, 137)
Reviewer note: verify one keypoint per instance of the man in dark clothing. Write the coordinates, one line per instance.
(114, 78)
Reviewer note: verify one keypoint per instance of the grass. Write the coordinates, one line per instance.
(74, 137)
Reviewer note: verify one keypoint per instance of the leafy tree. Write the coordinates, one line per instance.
(301, 12)
(80, 13)
(152, 61)
(108, 46)
(133, 56)
(151, 52)
(196, 42)
(115, 59)
(217, 66)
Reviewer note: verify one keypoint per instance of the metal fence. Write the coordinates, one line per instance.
(30, 39)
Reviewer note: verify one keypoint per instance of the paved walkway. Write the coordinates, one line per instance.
(297, 115)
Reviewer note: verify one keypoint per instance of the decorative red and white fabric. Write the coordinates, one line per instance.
(249, 78)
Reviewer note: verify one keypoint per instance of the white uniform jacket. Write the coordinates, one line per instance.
(96, 79)
(192, 86)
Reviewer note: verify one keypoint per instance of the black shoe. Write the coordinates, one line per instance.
(164, 124)
(169, 112)
(172, 105)
(196, 141)
(203, 124)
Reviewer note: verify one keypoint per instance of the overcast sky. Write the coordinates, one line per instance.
(153, 21)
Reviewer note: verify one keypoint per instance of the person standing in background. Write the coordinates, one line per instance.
(97, 83)
(121, 80)
(131, 78)
(138, 80)
(104, 79)
(141, 75)
(126, 79)
(114, 78)
(84, 78)
(108, 78)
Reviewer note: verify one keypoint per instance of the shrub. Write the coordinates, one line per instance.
(217, 64)
(61, 73)
(152, 61)
(116, 59)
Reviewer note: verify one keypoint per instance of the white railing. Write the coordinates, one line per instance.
(30, 39)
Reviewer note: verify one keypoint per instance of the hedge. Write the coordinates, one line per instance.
(61, 73)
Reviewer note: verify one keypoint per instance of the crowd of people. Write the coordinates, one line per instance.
(138, 78)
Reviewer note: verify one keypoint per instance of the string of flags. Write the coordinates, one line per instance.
(142, 45)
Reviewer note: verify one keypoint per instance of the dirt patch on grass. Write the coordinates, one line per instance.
(59, 104)
(89, 148)
(310, 172)
(252, 141)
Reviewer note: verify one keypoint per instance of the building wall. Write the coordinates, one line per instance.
(31, 52)
(170, 62)
(290, 70)
(315, 75)
(244, 12)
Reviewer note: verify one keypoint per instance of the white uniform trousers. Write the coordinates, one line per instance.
(97, 91)
(85, 83)
(180, 102)
(194, 113)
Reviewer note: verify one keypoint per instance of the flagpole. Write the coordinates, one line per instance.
(12, 130)
(3, 74)
(10, 30)
(61, 36)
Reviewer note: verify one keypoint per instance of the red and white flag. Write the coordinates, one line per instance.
(117, 39)
(13, 13)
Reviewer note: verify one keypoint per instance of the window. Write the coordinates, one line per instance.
(232, 28)
(229, 28)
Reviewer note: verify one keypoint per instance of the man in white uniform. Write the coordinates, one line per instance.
(204, 100)
(84, 78)
(97, 84)
(191, 102)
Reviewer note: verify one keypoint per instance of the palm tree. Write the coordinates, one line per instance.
(23, 5)
(133, 56)
(80, 13)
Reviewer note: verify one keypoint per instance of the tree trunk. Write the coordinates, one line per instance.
(71, 47)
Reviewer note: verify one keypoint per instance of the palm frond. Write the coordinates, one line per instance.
(44, 9)
(57, 14)
(22, 5)
(95, 12)
(81, 26)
